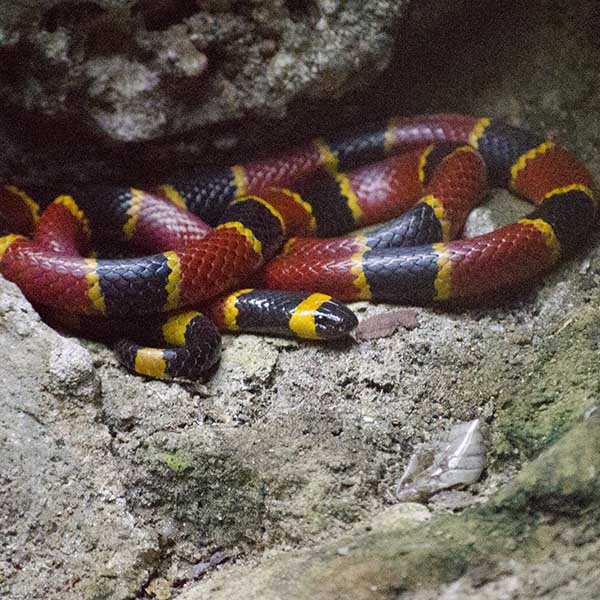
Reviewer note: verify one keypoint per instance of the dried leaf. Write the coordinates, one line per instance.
(386, 323)
(456, 458)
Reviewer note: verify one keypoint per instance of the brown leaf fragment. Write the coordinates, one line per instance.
(386, 323)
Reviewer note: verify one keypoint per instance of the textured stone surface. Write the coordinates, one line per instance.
(140, 70)
(505, 549)
(79, 77)
(277, 475)
(66, 528)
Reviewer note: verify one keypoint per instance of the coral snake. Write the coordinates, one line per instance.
(278, 225)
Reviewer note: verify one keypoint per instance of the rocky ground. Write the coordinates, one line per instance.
(276, 477)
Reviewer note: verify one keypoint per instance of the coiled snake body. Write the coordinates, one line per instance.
(276, 225)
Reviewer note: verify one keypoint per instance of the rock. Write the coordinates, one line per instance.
(474, 554)
(454, 458)
(501, 209)
(60, 493)
(75, 46)
(82, 78)
(292, 451)
(73, 375)
(564, 479)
